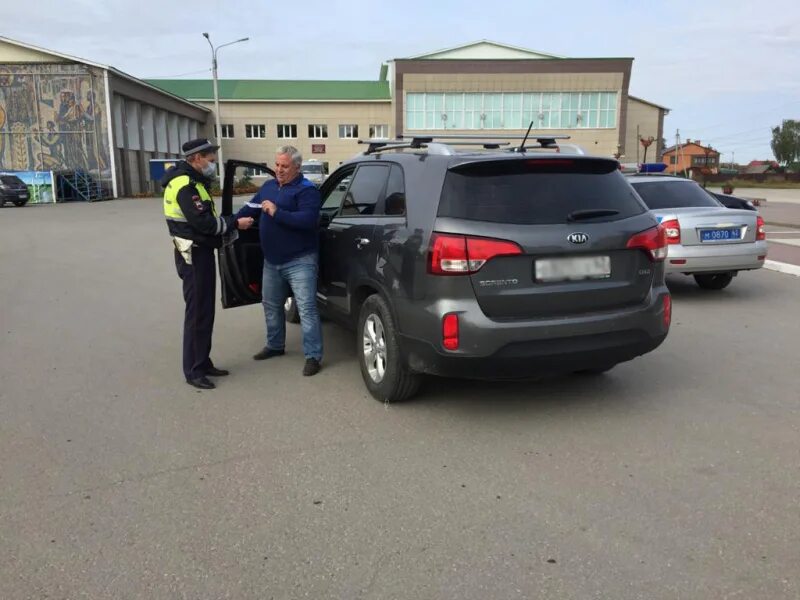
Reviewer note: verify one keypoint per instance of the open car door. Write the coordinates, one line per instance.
(241, 263)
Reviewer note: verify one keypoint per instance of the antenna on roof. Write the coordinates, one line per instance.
(521, 147)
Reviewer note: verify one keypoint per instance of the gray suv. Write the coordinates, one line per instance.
(481, 264)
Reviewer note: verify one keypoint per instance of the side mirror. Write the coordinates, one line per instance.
(325, 219)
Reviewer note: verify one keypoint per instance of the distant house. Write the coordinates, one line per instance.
(689, 156)
(761, 167)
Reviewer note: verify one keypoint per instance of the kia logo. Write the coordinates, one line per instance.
(578, 238)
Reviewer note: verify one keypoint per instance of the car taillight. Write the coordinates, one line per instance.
(450, 331)
(761, 232)
(653, 241)
(667, 311)
(672, 231)
(462, 255)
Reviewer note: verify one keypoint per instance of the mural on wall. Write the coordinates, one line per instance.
(52, 118)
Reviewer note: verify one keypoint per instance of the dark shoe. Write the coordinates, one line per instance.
(312, 367)
(215, 372)
(268, 353)
(201, 382)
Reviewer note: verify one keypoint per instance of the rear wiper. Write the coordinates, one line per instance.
(591, 213)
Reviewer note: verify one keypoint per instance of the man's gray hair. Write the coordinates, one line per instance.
(293, 153)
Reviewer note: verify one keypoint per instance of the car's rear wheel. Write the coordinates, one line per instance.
(290, 308)
(382, 368)
(713, 281)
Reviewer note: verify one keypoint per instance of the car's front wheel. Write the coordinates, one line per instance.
(20, 202)
(713, 281)
(382, 368)
(290, 308)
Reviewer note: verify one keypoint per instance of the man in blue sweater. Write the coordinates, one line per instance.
(289, 232)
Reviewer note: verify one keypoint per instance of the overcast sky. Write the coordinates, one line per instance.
(728, 70)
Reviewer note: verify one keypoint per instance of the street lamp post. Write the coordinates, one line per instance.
(214, 51)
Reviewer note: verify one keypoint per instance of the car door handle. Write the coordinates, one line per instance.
(361, 242)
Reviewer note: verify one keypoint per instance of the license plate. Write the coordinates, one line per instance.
(23, 195)
(572, 269)
(720, 235)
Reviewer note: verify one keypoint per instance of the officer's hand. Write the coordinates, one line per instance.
(244, 223)
(269, 207)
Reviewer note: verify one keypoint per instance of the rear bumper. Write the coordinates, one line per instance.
(523, 349)
(9, 195)
(713, 258)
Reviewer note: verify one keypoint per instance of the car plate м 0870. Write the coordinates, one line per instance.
(572, 269)
(721, 235)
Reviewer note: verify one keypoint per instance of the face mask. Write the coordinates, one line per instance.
(210, 170)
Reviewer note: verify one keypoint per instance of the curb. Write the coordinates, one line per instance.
(782, 267)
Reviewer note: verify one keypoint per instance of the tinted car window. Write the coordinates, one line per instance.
(537, 191)
(11, 180)
(365, 191)
(394, 202)
(673, 194)
(333, 201)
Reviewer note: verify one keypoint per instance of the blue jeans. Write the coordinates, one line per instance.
(301, 275)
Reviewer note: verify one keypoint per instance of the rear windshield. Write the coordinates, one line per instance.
(537, 191)
(11, 180)
(312, 169)
(673, 194)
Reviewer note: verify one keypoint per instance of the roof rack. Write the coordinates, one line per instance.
(422, 141)
(545, 140)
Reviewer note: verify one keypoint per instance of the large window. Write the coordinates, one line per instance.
(511, 110)
(252, 132)
(317, 132)
(348, 132)
(287, 132)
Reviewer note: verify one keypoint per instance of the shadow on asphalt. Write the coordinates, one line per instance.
(566, 392)
(683, 287)
(621, 388)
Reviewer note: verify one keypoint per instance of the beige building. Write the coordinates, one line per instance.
(324, 119)
(484, 88)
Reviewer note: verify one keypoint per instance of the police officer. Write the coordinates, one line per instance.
(196, 231)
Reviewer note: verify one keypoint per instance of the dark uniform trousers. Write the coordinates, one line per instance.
(199, 293)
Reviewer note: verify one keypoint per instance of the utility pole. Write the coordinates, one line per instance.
(220, 159)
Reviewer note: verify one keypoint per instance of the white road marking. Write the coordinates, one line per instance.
(788, 242)
(782, 267)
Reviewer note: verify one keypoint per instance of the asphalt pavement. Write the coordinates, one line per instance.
(676, 475)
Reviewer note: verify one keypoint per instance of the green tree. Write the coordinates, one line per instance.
(786, 142)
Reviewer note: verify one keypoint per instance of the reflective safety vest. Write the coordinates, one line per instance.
(172, 210)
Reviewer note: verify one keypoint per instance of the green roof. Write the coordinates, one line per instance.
(274, 89)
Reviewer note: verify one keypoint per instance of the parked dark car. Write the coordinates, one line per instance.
(481, 264)
(13, 189)
(733, 201)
